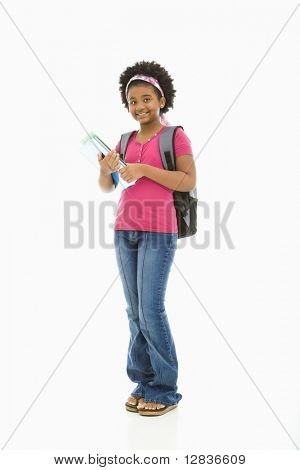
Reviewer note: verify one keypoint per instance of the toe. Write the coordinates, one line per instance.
(152, 406)
(132, 400)
(141, 404)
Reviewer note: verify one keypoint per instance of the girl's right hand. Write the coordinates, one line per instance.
(110, 162)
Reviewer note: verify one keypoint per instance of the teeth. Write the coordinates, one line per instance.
(142, 114)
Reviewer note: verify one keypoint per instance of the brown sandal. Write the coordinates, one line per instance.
(131, 407)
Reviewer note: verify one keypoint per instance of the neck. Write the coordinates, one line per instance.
(150, 127)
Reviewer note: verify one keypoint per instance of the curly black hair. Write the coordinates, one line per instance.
(152, 69)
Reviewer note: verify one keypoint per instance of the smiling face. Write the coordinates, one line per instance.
(144, 104)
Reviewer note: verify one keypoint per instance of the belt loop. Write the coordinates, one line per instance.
(133, 235)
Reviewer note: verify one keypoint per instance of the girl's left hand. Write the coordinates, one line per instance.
(132, 171)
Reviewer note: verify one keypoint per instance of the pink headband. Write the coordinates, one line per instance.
(153, 82)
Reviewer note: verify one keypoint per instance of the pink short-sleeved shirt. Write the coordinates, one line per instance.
(147, 205)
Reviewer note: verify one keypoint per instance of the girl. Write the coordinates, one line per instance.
(146, 233)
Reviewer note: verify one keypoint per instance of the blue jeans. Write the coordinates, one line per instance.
(144, 260)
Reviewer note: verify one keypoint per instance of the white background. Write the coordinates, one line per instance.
(233, 312)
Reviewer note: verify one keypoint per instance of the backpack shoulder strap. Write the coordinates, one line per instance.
(167, 147)
(123, 146)
(124, 143)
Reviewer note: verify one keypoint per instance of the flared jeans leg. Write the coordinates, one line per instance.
(139, 367)
(145, 260)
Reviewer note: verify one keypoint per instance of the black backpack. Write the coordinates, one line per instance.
(185, 202)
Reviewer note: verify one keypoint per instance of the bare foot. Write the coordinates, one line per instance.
(133, 400)
(143, 405)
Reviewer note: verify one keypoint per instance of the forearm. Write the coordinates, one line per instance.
(175, 180)
(106, 183)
